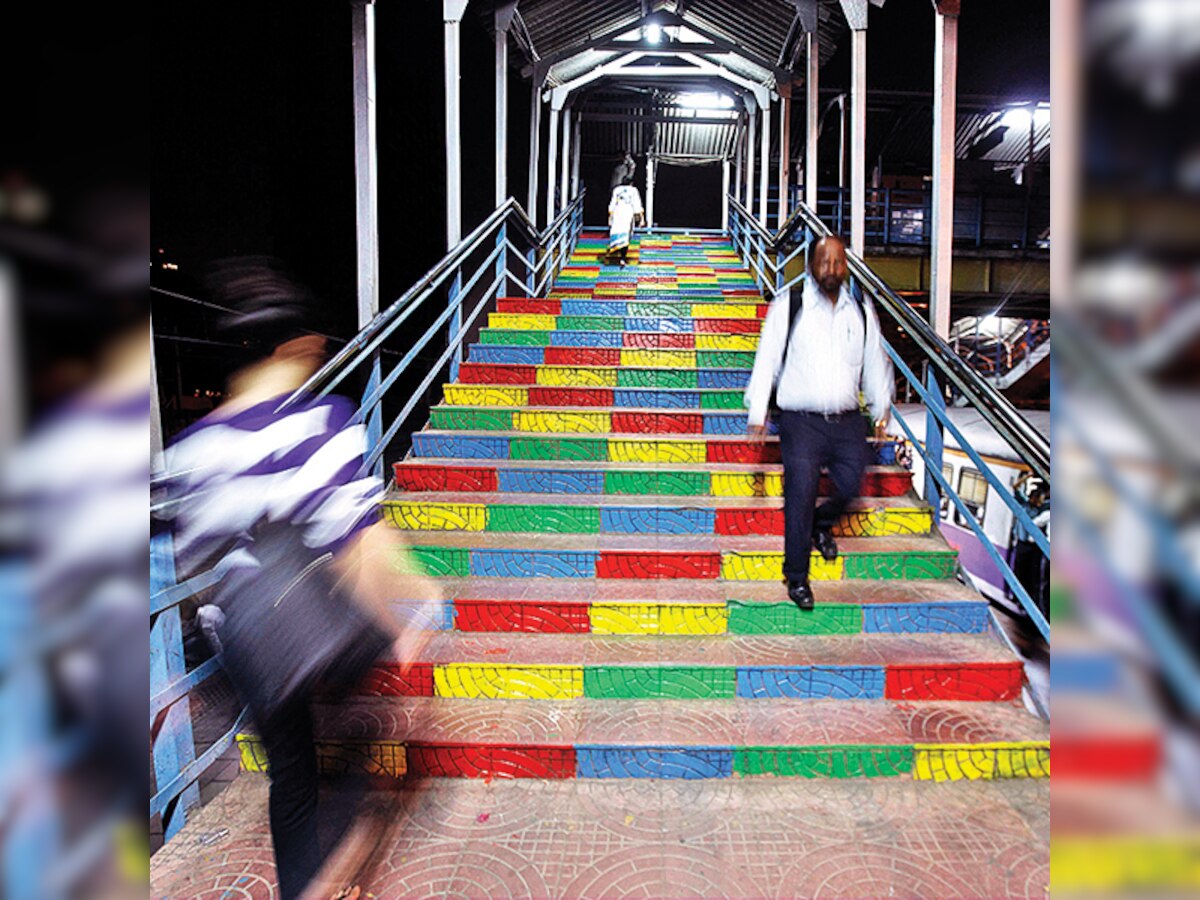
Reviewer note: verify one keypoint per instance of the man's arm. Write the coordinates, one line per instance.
(767, 361)
(878, 380)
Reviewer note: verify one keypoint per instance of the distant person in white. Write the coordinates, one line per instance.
(818, 366)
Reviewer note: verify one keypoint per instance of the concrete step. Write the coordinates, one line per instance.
(567, 477)
(686, 365)
(703, 307)
(732, 558)
(647, 514)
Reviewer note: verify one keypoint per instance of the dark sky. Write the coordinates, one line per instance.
(253, 124)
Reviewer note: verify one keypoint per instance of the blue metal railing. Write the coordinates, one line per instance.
(515, 242)
(904, 216)
(768, 256)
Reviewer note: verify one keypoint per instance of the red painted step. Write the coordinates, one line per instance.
(529, 306)
(570, 396)
(656, 423)
(727, 326)
(462, 760)
(644, 340)
(517, 615)
(955, 681)
(582, 356)
(657, 564)
(496, 373)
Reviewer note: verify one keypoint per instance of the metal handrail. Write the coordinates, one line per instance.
(1030, 446)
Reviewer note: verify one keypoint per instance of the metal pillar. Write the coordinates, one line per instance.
(535, 147)
(765, 172)
(1066, 93)
(785, 149)
(812, 118)
(452, 13)
(651, 171)
(565, 176)
(945, 75)
(737, 169)
(575, 151)
(366, 195)
(749, 201)
(858, 143)
(552, 158)
(725, 194)
(503, 18)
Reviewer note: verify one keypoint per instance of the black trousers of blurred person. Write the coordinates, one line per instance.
(292, 760)
(809, 441)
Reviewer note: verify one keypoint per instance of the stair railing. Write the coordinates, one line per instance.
(768, 256)
(537, 257)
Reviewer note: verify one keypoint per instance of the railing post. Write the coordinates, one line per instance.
(979, 221)
(530, 274)
(887, 216)
(173, 748)
(502, 260)
(456, 320)
(933, 440)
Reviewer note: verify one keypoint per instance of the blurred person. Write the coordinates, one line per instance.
(820, 346)
(72, 519)
(278, 494)
(624, 212)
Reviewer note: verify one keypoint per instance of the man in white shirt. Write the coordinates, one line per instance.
(834, 350)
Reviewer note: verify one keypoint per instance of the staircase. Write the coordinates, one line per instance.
(620, 700)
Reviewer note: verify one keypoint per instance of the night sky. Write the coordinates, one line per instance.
(253, 126)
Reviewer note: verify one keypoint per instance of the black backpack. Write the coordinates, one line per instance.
(794, 310)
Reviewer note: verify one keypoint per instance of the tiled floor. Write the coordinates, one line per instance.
(655, 839)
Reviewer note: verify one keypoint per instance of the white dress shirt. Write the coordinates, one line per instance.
(828, 361)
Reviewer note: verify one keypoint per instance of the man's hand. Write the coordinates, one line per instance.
(758, 433)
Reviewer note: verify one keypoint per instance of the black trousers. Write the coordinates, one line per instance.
(292, 758)
(809, 441)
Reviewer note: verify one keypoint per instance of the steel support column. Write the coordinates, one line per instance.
(575, 151)
(858, 142)
(366, 194)
(812, 118)
(945, 74)
(785, 149)
(565, 173)
(725, 194)
(737, 169)
(503, 18)
(552, 159)
(452, 13)
(651, 172)
(750, 151)
(535, 147)
(765, 172)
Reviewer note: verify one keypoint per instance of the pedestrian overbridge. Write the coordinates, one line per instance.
(618, 698)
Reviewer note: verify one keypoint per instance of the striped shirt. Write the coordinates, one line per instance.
(228, 474)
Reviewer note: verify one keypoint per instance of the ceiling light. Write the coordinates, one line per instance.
(654, 33)
(706, 100)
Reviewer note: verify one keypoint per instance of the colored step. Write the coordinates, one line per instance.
(569, 478)
(523, 367)
(747, 322)
(617, 556)
(517, 416)
(682, 449)
(616, 340)
(505, 385)
(626, 606)
(565, 666)
(609, 514)
(936, 741)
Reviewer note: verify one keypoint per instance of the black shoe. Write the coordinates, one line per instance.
(825, 544)
(801, 594)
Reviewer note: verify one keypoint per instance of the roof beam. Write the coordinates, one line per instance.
(657, 119)
(666, 18)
